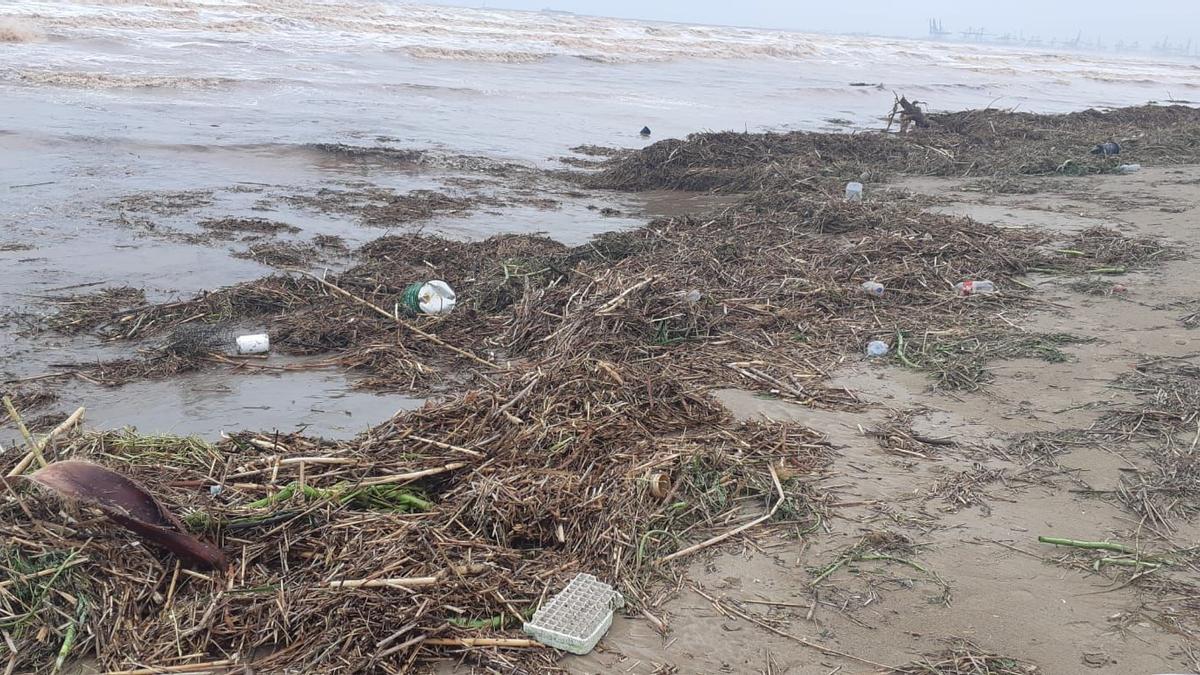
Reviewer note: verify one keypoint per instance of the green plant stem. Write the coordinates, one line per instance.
(370, 496)
(1090, 545)
(900, 352)
(69, 639)
(830, 570)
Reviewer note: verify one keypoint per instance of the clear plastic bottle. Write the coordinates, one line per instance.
(873, 287)
(1129, 168)
(877, 348)
(854, 192)
(970, 287)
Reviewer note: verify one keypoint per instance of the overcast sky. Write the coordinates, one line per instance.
(1148, 21)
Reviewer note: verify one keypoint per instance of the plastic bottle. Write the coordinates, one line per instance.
(873, 287)
(254, 344)
(970, 287)
(1129, 168)
(429, 297)
(854, 192)
(877, 348)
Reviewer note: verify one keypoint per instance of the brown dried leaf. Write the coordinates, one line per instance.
(128, 504)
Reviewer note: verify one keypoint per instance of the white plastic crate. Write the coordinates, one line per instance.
(576, 618)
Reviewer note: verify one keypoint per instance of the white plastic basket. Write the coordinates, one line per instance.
(576, 618)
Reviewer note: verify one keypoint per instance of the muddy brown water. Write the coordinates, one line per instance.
(132, 227)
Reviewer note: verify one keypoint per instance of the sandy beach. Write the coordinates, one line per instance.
(683, 408)
(976, 514)
(658, 369)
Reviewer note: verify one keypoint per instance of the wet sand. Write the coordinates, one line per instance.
(1001, 588)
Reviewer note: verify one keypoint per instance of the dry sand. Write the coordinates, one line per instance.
(1004, 592)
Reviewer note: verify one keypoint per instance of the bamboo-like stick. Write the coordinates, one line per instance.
(1090, 545)
(507, 643)
(223, 664)
(408, 582)
(409, 477)
(16, 418)
(737, 530)
(35, 452)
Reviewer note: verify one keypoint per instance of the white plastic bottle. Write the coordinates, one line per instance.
(970, 287)
(854, 192)
(254, 344)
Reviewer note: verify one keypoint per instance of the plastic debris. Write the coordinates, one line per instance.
(1129, 168)
(877, 348)
(434, 298)
(854, 192)
(576, 619)
(645, 131)
(1109, 148)
(259, 343)
(873, 287)
(969, 287)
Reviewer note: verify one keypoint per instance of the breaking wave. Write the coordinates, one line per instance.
(92, 80)
(16, 30)
(490, 56)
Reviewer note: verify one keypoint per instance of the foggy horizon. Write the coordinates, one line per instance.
(1148, 23)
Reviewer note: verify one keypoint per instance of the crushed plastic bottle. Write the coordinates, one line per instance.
(877, 348)
(1129, 168)
(429, 297)
(854, 192)
(873, 287)
(970, 287)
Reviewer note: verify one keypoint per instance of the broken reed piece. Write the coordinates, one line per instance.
(223, 665)
(405, 583)
(502, 643)
(36, 451)
(16, 418)
(129, 505)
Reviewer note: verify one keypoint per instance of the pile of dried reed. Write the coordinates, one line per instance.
(439, 530)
